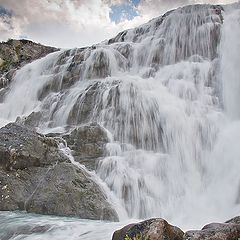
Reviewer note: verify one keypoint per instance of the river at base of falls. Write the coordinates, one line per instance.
(25, 226)
(19, 225)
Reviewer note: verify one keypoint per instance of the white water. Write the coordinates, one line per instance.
(230, 64)
(60, 228)
(94, 177)
(171, 104)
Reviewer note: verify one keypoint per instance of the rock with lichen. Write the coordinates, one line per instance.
(160, 229)
(14, 54)
(152, 229)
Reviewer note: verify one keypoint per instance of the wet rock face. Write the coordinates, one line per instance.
(152, 229)
(32, 120)
(36, 176)
(88, 144)
(99, 66)
(68, 191)
(82, 111)
(216, 231)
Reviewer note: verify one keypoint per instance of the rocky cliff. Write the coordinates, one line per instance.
(14, 54)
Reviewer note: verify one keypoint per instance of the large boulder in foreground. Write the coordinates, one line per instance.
(36, 176)
(229, 230)
(159, 229)
(152, 229)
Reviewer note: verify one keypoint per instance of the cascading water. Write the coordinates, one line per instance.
(168, 93)
(230, 64)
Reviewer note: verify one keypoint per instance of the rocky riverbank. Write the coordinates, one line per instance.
(159, 229)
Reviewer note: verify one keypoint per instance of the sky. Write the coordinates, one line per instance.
(79, 23)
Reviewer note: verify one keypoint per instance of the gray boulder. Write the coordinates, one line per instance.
(32, 120)
(152, 229)
(88, 144)
(159, 229)
(21, 147)
(37, 177)
(229, 230)
(67, 190)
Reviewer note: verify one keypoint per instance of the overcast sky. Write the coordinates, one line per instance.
(77, 23)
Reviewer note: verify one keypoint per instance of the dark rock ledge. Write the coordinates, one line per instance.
(159, 229)
(37, 177)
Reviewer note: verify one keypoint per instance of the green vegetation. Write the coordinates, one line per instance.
(5, 65)
(137, 237)
(17, 49)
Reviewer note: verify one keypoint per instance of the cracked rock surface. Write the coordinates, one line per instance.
(36, 176)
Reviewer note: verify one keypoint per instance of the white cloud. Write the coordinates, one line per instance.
(75, 23)
(9, 26)
(62, 23)
(153, 8)
(58, 20)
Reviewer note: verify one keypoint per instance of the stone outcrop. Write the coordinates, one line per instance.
(36, 176)
(152, 229)
(21, 147)
(88, 144)
(15, 54)
(67, 190)
(32, 120)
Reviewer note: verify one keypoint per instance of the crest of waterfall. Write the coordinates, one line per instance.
(157, 89)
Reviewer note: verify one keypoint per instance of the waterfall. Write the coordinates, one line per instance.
(167, 92)
(230, 64)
